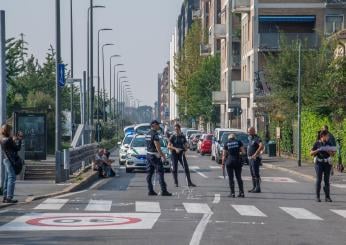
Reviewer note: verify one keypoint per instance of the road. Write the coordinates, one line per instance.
(118, 211)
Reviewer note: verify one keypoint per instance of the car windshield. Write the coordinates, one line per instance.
(239, 136)
(208, 137)
(127, 140)
(140, 142)
(190, 132)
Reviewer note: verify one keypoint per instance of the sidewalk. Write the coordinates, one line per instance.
(306, 171)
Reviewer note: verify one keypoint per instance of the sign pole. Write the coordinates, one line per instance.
(3, 85)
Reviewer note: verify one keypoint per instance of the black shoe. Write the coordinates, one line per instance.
(166, 193)
(4, 200)
(318, 199)
(252, 190)
(191, 185)
(328, 199)
(10, 201)
(241, 194)
(152, 193)
(231, 195)
(176, 185)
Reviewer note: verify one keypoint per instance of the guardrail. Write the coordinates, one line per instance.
(77, 159)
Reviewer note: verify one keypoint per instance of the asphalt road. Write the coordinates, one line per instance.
(118, 211)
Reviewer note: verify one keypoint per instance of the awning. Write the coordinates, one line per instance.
(287, 19)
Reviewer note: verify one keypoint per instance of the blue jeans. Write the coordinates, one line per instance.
(255, 168)
(10, 179)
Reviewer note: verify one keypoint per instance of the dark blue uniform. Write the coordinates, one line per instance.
(323, 168)
(179, 141)
(154, 161)
(254, 143)
(233, 164)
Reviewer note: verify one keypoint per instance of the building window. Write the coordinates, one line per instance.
(334, 23)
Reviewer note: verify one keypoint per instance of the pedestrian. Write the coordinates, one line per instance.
(232, 161)
(10, 146)
(254, 149)
(178, 146)
(332, 141)
(322, 151)
(154, 156)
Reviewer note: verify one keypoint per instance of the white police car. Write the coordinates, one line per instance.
(136, 158)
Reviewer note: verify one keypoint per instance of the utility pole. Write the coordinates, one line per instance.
(91, 62)
(57, 93)
(3, 85)
(299, 108)
(72, 74)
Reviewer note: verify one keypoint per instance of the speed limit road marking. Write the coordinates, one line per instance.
(78, 221)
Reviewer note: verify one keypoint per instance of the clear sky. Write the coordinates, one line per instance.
(141, 31)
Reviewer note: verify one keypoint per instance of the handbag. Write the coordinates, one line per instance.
(16, 162)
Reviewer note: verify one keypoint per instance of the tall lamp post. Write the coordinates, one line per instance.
(299, 108)
(115, 85)
(103, 80)
(110, 84)
(122, 91)
(72, 75)
(118, 96)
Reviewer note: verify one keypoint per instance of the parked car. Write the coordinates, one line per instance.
(218, 132)
(204, 144)
(242, 136)
(136, 158)
(189, 132)
(194, 138)
(123, 147)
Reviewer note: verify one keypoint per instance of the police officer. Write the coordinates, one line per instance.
(178, 146)
(322, 164)
(231, 157)
(254, 150)
(154, 155)
(331, 141)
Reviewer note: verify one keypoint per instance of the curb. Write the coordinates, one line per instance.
(294, 172)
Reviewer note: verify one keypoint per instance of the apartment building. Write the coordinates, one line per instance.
(222, 36)
(262, 24)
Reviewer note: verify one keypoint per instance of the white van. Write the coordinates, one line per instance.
(218, 132)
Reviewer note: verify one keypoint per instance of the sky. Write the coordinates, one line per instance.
(141, 33)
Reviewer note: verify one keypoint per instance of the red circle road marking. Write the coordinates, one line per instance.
(37, 221)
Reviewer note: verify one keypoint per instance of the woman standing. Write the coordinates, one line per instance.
(322, 151)
(10, 147)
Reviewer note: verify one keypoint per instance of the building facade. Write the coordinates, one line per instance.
(263, 23)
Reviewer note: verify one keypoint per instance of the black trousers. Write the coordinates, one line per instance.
(235, 170)
(182, 159)
(155, 163)
(323, 170)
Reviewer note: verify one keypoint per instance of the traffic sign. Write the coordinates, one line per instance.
(82, 221)
(61, 75)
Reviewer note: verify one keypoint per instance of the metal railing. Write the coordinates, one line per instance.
(335, 1)
(273, 40)
(77, 159)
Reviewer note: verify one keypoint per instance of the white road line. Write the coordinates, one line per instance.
(202, 225)
(217, 198)
(301, 213)
(215, 167)
(52, 204)
(197, 208)
(248, 210)
(195, 169)
(339, 212)
(149, 207)
(269, 179)
(343, 186)
(99, 205)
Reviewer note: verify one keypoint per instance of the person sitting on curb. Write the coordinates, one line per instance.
(109, 171)
(101, 164)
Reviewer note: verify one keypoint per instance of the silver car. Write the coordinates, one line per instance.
(124, 146)
(137, 154)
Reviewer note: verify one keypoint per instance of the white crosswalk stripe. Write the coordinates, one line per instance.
(342, 213)
(248, 210)
(196, 169)
(51, 204)
(148, 207)
(99, 205)
(301, 213)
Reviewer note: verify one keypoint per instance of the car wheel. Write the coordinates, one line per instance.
(129, 170)
(168, 170)
(202, 153)
(212, 157)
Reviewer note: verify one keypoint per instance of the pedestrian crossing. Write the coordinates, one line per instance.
(93, 205)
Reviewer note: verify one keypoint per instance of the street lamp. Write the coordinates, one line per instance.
(103, 80)
(90, 58)
(115, 66)
(122, 101)
(110, 82)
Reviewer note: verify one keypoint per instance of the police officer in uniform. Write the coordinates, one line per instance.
(231, 158)
(322, 164)
(178, 146)
(154, 155)
(254, 150)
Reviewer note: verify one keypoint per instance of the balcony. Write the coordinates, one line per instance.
(219, 98)
(218, 31)
(272, 41)
(241, 6)
(236, 61)
(240, 89)
(205, 49)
